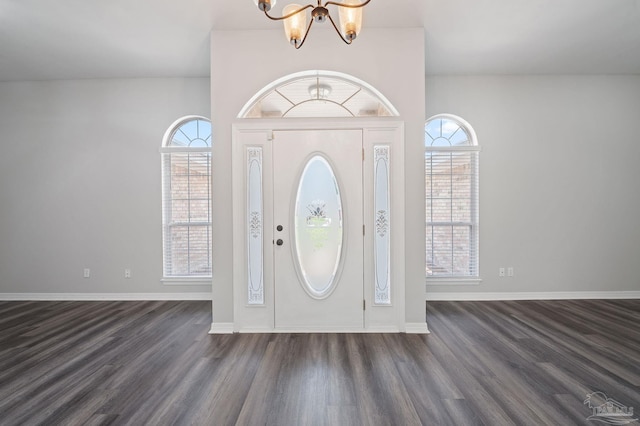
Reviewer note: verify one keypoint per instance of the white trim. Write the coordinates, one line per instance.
(465, 148)
(461, 122)
(102, 296)
(179, 122)
(266, 126)
(452, 281)
(183, 149)
(381, 329)
(221, 328)
(416, 328)
(551, 295)
(187, 281)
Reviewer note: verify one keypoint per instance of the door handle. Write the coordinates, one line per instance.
(279, 228)
(279, 242)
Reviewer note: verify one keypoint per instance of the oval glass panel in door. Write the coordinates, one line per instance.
(318, 227)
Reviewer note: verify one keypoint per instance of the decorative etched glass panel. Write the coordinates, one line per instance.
(318, 227)
(254, 226)
(382, 239)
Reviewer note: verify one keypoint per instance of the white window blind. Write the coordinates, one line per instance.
(451, 178)
(186, 199)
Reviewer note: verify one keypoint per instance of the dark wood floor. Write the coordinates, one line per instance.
(491, 363)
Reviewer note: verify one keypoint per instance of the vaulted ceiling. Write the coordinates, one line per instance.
(68, 39)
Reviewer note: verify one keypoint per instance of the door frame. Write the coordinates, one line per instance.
(255, 135)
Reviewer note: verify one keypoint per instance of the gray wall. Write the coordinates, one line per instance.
(80, 182)
(559, 179)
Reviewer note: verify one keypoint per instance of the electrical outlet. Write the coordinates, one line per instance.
(501, 272)
(510, 271)
(127, 273)
(87, 273)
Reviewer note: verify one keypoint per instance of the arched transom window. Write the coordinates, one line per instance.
(318, 94)
(451, 177)
(186, 199)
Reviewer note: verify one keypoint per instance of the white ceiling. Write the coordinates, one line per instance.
(68, 39)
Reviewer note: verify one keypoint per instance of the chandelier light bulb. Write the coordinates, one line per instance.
(294, 26)
(294, 18)
(350, 20)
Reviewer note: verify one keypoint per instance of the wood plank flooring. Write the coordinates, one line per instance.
(153, 363)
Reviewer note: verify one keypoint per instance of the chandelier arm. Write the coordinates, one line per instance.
(306, 33)
(352, 6)
(338, 31)
(289, 15)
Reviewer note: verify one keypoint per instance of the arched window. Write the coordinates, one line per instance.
(318, 93)
(186, 199)
(451, 177)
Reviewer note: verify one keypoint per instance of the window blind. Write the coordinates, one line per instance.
(452, 212)
(187, 213)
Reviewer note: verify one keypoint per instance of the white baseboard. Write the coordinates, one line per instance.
(332, 330)
(551, 295)
(416, 328)
(228, 328)
(254, 330)
(383, 329)
(221, 328)
(102, 296)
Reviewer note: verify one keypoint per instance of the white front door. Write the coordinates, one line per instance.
(318, 229)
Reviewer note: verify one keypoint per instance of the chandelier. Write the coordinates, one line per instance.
(295, 18)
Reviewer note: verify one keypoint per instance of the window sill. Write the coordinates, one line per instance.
(186, 281)
(453, 281)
